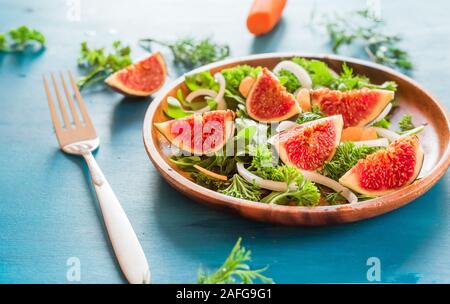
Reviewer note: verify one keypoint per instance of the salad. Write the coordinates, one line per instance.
(299, 134)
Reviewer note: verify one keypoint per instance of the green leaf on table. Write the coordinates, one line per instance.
(235, 269)
(18, 39)
(99, 64)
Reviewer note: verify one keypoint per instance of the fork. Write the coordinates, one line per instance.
(79, 138)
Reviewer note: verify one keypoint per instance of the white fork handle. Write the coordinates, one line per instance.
(125, 243)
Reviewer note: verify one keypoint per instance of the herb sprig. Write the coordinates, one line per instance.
(346, 156)
(406, 123)
(365, 27)
(18, 39)
(323, 76)
(235, 269)
(190, 53)
(100, 64)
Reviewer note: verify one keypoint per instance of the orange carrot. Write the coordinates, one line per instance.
(246, 85)
(358, 134)
(304, 100)
(264, 15)
(369, 134)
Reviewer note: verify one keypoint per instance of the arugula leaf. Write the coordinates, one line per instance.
(202, 80)
(240, 188)
(191, 53)
(305, 194)
(346, 156)
(175, 109)
(18, 39)
(309, 116)
(383, 123)
(234, 269)
(99, 64)
(406, 123)
(246, 133)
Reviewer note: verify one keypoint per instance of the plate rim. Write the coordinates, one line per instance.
(392, 201)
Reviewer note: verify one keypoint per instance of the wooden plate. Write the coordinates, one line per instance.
(413, 99)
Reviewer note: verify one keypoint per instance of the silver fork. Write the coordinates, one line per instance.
(80, 138)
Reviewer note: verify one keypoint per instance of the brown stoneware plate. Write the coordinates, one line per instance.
(413, 99)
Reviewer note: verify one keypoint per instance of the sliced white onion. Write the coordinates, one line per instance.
(201, 92)
(263, 183)
(382, 115)
(332, 184)
(416, 130)
(380, 142)
(391, 135)
(221, 104)
(299, 72)
(282, 186)
(286, 125)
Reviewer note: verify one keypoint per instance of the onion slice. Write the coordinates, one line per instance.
(263, 183)
(286, 125)
(200, 92)
(383, 114)
(282, 186)
(299, 72)
(380, 142)
(332, 184)
(416, 130)
(221, 105)
(391, 135)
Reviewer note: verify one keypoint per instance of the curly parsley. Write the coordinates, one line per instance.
(18, 39)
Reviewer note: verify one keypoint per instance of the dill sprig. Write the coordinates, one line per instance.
(191, 53)
(364, 26)
(234, 269)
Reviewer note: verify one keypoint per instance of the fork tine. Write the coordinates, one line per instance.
(70, 100)
(81, 105)
(51, 105)
(62, 107)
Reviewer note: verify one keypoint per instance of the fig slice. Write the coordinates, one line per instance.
(140, 79)
(387, 170)
(308, 146)
(357, 107)
(200, 133)
(269, 101)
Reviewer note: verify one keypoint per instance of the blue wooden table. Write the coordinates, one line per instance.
(48, 212)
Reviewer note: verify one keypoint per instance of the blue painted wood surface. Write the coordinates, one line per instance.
(48, 212)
